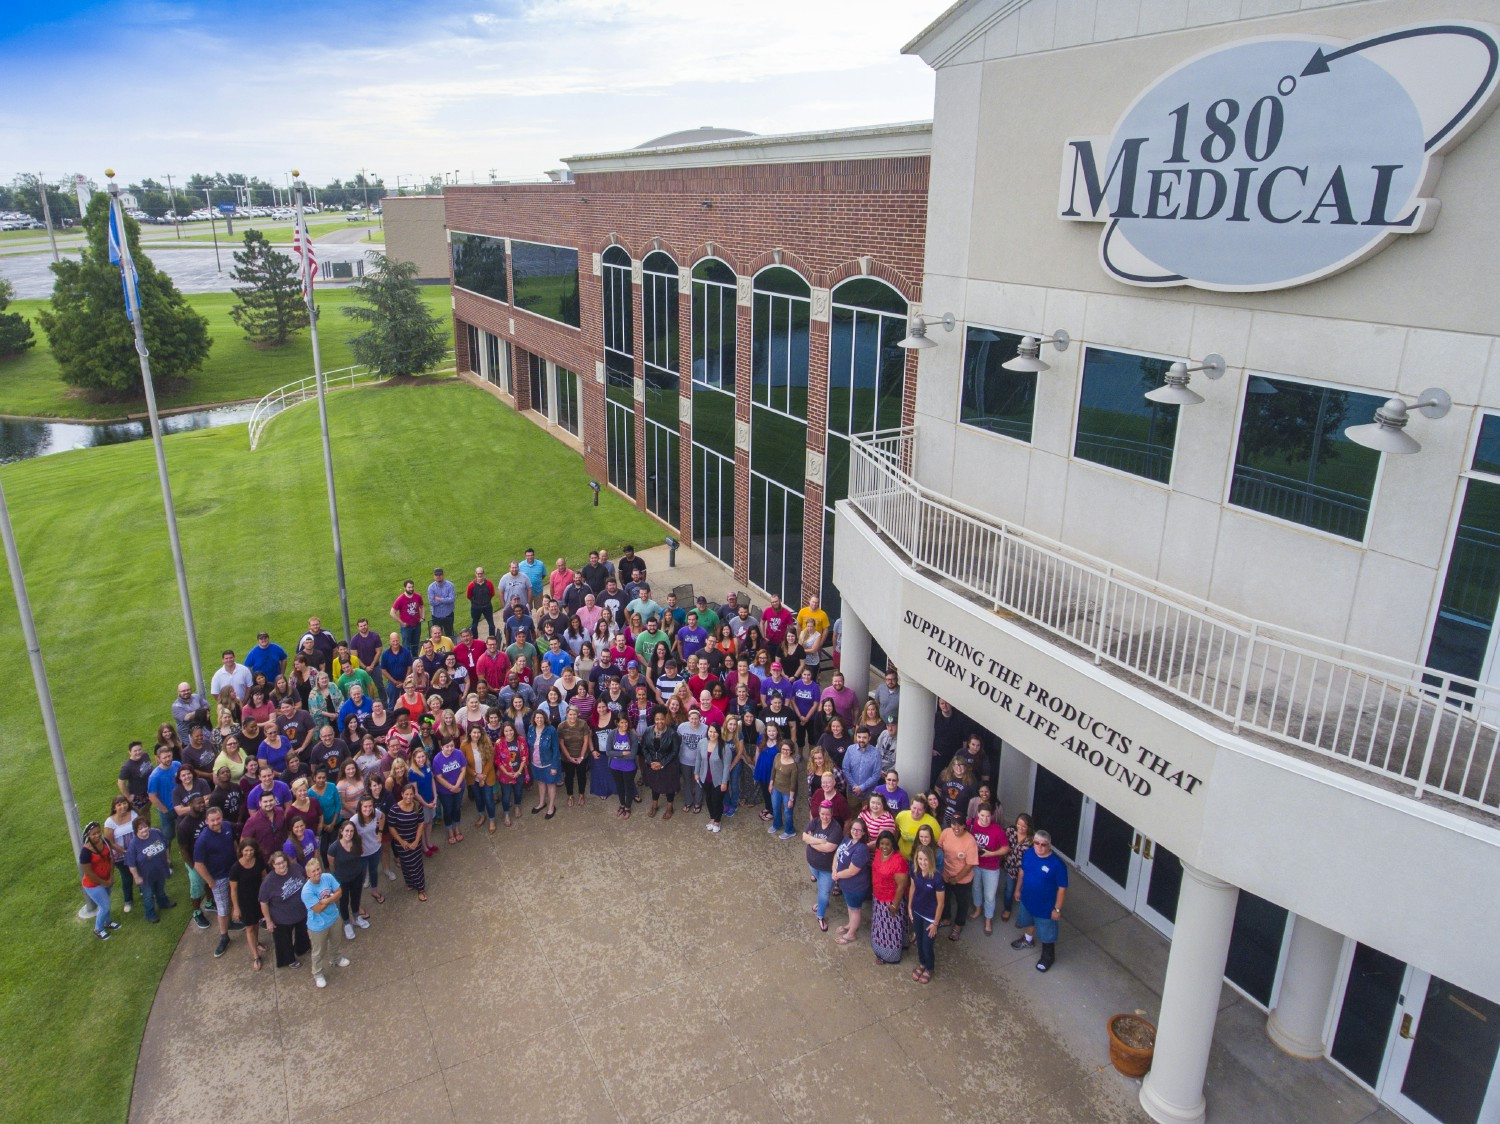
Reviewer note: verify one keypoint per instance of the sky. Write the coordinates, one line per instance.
(413, 89)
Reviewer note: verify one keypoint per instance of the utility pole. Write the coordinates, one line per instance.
(364, 185)
(172, 206)
(47, 215)
(213, 224)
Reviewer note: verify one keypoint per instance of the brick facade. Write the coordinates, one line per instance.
(828, 220)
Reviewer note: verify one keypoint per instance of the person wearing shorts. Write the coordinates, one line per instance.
(213, 858)
(1040, 892)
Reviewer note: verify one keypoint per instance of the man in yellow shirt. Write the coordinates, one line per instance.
(812, 632)
(909, 821)
(441, 641)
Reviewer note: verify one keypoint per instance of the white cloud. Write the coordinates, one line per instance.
(505, 86)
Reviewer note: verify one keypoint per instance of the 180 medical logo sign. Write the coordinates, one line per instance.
(1273, 162)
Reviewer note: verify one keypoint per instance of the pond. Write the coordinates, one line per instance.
(22, 440)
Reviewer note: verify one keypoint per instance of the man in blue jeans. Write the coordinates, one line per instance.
(823, 837)
(441, 597)
(159, 791)
(1041, 889)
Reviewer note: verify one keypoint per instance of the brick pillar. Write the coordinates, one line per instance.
(817, 442)
(462, 360)
(520, 377)
(742, 328)
(685, 410)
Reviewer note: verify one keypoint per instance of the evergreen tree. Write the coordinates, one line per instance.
(269, 304)
(91, 338)
(402, 337)
(15, 332)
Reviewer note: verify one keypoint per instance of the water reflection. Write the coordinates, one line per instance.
(22, 440)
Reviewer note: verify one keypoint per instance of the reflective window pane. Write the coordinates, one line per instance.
(1471, 587)
(1294, 462)
(546, 280)
(993, 398)
(1117, 425)
(479, 264)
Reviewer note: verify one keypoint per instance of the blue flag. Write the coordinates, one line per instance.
(119, 254)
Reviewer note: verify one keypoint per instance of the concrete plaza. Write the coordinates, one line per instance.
(590, 968)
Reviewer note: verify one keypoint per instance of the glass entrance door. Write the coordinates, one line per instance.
(1443, 1048)
(1135, 870)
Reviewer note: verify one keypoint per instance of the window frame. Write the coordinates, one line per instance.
(772, 299)
(1073, 456)
(731, 294)
(970, 427)
(1234, 451)
(505, 271)
(900, 319)
(577, 273)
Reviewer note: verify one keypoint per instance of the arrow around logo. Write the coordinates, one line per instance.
(1318, 64)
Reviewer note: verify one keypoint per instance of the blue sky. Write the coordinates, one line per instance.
(409, 88)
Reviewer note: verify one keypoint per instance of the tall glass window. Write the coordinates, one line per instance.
(659, 355)
(476, 356)
(619, 428)
(496, 362)
(536, 380)
(866, 379)
(1118, 426)
(1463, 632)
(479, 264)
(714, 328)
(993, 398)
(569, 408)
(1294, 462)
(780, 323)
(619, 370)
(546, 280)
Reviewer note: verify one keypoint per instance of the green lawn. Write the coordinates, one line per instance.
(72, 1009)
(278, 233)
(31, 385)
(11, 237)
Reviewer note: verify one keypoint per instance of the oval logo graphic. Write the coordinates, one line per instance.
(1274, 162)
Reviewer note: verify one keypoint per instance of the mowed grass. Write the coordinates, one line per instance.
(31, 384)
(259, 555)
(277, 233)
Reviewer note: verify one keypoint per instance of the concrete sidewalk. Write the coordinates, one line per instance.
(592, 969)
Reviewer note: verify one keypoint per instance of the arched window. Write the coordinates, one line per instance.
(619, 371)
(779, 336)
(659, 355)
(715, 296)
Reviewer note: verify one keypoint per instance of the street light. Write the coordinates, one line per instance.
(172, 206)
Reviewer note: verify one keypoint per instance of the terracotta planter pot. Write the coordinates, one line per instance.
(1132, 1043)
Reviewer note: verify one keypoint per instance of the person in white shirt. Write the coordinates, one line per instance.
(232, 674)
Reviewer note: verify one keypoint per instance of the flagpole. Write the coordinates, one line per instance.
(133, 311)
(43, 691)
(305, 255)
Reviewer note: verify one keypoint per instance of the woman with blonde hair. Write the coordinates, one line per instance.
(229, 704)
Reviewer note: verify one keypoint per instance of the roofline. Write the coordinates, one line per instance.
(865, 142)
(957, 27)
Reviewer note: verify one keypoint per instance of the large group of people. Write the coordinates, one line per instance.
(306, 780)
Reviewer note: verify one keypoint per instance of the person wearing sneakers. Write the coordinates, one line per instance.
(96, 863)
(346, 858)
(659, 749)
(321, 894)
(1040, 891)
(213, 859)
(713, 774)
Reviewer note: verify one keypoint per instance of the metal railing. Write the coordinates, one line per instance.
(1422, 729)
(305, 390)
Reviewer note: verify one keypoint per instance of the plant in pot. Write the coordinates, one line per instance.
(1132, 1042)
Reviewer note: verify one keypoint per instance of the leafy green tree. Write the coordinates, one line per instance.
(15, 332)
(402, 337)
(269, 304)
(93, 341)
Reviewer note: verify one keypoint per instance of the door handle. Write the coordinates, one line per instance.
(1146, 849)
(1135, 844)
(1406, 1028)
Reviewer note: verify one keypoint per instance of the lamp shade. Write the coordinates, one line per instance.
(917, 339)
(1028, 358)
(1173, 394)
(1387, 433)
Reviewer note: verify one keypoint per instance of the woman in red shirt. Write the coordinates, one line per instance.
(888, 876)
(96, 865)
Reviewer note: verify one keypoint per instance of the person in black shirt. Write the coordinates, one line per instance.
(133, 777)
(227, 797)
(955, 789)
(949, 731)
(595, 574)
(329, 751)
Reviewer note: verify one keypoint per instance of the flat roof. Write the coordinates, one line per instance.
(866, 142)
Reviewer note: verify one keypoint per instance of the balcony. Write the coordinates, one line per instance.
(1426, 734)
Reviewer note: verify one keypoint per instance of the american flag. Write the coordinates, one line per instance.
(302, 246)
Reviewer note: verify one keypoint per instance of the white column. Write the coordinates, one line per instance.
(1173, 1091)
(854, 654)
(1312, 963)
(914, 735)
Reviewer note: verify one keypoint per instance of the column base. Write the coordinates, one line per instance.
(1164, 1112)
(1307, 1048)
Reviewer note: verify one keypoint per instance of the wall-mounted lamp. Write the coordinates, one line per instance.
(594, 484)
(1387, 433)
(916, 333)
(1174, 389)
(706, 203)
(1028, 358)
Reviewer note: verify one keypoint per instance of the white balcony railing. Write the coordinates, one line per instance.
(1427, 732)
